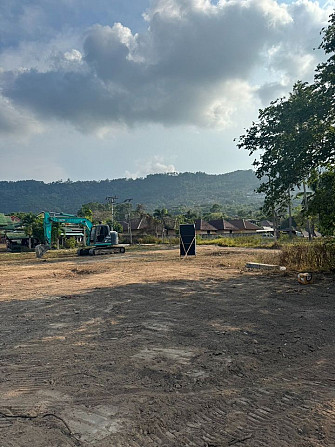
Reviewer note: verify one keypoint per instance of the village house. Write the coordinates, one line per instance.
(8, 223)
(245, 226)
(142, 226)
(203, 228)
(223, 226)
(149, 226)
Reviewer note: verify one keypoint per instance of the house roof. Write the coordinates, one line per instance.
(135, 224)
(202, 225)
(244, 224)
(314, 233)
(266, 223)
(16, 235)
(170, 223)
(222, 224)
(140, 223)
(9, 222)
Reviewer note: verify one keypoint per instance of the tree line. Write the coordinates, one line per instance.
(231, 190)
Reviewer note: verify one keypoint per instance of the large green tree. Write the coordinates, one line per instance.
(294, 136)
(322, 202)
(289, 137)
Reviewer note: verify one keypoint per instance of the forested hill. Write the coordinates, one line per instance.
(157, 190)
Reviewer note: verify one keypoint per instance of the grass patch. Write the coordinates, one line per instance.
(241, 241)
(315, 256)
(51, 254)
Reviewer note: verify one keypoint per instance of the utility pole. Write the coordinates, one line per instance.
(111, 200)
(129, 220)
(275, 224)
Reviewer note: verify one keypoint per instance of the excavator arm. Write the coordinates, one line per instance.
(59, 218)
(64, 218)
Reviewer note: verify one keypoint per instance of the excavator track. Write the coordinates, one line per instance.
(97, 251)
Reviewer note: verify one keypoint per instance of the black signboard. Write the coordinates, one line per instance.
(187, 240)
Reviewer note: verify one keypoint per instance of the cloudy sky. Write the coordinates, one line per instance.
(123, 88)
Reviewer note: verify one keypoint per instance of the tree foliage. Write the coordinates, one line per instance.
(86, 212)
(322, 202)
(289, 134)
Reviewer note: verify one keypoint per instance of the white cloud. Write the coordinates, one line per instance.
(73, 56)
(194, 65)
(155, 165)
(16, 122)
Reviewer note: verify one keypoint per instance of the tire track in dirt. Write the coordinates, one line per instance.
(185, 363)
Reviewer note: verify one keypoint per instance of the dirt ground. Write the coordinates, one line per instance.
(144, 349)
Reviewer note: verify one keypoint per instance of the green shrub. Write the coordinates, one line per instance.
(172, 240)
(148, 239)
(70, 243)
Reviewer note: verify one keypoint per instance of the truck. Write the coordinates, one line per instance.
(98, 239)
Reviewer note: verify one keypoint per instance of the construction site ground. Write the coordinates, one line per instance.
(145, 349)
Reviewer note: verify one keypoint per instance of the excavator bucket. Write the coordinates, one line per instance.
(41, 249)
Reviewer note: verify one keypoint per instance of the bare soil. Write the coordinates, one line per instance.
(144, 349)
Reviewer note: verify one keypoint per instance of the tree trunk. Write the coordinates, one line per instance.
(290, 214)
(275, 227)
(308, 219)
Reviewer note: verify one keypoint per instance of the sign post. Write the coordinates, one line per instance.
(187, 240)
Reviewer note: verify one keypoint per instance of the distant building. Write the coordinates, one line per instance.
(142, 226)
(314, 233)
(245, 226)
(8, 223)
(203, 227)
(223, 226)
(266, 224)
(19, 241)
(148, 226)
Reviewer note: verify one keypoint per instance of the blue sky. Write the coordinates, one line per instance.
(126, 88)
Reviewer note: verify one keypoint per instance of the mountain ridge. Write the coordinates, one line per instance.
(156, 190)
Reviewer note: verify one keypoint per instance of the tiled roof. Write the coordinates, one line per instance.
(9, 222)
(244, 224)
(222, 224)
(140, 223)
(16, 235)
(266, 223)
(202, 225)
(170, 223)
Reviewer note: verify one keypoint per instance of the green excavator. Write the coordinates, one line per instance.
(99, 239)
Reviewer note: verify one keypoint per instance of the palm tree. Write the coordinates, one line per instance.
(190, 216)
(28, 221)
(160, 214)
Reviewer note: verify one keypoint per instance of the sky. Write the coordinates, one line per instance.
(126, 88)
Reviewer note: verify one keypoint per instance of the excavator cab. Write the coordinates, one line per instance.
(99, 234)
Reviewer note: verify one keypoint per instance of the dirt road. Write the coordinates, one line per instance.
(147, 350)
